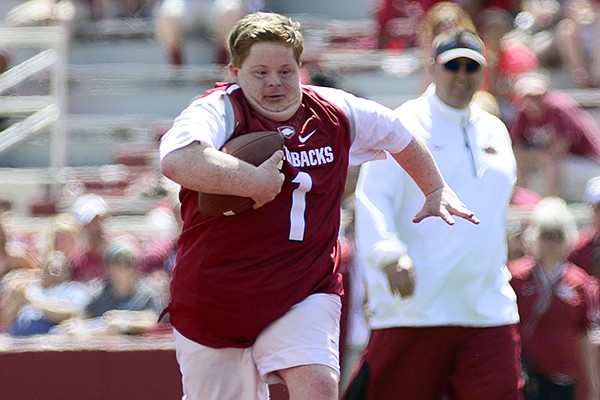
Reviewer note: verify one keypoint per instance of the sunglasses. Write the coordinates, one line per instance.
(552, 235)
(454, 66)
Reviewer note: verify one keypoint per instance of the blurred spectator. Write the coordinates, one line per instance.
(21, 290)
(558, 304)
(54, 12)
(64, 235)
(14, 253)
(90, 211)
(586, 250)
(125, 290)
(556, 142)
(507, 58)
(12, 288)
(577, 37)
(70, 13)
(397, 22)
(440, 17)
(536, 23)
(214, 18)
(161, 247)
(33, 304)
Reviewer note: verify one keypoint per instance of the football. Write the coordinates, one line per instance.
(254, 148)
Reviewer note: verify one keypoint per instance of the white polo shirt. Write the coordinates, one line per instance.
(461, 277)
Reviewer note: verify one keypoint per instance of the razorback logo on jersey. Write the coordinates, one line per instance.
(286, 131)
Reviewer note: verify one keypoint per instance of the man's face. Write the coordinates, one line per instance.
(457, 81)
(270, 79)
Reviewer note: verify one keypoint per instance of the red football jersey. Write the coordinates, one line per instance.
(235, 275)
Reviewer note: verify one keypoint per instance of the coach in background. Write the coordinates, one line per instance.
(443, 314)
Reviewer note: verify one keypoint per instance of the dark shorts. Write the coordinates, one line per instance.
(432, 362)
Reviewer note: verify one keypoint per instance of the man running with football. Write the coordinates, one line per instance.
(255, 297)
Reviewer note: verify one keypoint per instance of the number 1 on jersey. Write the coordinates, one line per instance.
(297, 221)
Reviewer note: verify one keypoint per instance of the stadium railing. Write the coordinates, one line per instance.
(41, 111)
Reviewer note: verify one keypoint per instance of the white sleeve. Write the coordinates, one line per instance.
(378, 194)
(204, 120)
(377, 127)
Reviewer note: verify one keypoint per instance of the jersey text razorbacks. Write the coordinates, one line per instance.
(310, 158)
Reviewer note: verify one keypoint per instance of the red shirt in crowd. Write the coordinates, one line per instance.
(553, 346)
(87, 264)
(562, 118)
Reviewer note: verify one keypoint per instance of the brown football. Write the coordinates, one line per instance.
(254, 148)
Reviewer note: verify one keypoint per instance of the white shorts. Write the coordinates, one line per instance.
(307, 334)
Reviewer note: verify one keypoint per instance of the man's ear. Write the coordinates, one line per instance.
(233, 71)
